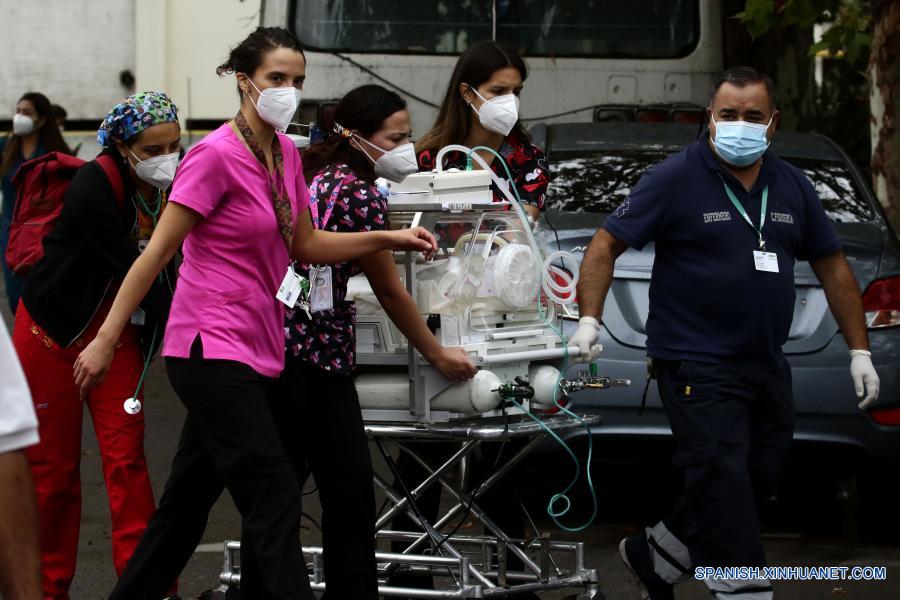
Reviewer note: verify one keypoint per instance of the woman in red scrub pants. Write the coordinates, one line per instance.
(109, 212)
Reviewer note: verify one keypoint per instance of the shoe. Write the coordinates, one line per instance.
(635, 553)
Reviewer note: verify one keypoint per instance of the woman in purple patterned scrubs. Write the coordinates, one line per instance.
(326, 436)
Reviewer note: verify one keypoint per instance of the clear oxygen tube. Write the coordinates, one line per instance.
(553, 291)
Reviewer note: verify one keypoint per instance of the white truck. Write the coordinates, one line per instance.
(587, 59)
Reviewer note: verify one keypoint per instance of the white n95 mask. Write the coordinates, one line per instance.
(158, 171)
(499, 114)
(276, 105)
(394, 165)
(22, 125)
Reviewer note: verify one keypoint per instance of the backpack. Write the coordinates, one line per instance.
(40, 186)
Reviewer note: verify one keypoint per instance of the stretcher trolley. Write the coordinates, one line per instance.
(464, 566)
(491, 290)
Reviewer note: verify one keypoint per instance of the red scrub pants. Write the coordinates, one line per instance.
(55, 460)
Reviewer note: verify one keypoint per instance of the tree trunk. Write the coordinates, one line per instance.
(884, 78)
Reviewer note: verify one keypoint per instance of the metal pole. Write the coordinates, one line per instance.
(430, 532)
(494, 21)
(467, 448)
(463, 499)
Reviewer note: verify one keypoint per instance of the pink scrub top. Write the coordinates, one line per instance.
(234, 257)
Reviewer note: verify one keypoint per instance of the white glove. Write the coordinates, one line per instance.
(865, 379)
(586, 339)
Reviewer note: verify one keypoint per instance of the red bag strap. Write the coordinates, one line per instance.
(109, 166)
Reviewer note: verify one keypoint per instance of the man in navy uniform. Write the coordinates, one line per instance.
(729, 219)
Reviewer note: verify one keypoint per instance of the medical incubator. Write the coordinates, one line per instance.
(488, 289)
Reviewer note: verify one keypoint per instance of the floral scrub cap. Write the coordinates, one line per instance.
(134, 114)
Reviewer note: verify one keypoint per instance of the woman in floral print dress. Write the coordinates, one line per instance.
(371, 140)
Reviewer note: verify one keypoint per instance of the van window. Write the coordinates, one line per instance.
(575, 28)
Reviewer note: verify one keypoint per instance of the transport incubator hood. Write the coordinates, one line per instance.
(488, 289)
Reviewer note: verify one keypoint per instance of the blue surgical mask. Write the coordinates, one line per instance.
(740, 143)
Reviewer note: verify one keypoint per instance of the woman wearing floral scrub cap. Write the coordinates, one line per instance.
(109, 213)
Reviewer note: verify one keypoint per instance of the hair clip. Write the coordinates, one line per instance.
(342, 131)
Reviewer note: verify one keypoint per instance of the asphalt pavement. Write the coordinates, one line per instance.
(804, 530)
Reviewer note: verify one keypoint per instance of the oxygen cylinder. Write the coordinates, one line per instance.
(385, 391)
(543, 380)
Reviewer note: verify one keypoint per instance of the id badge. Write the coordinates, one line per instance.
(321, 297)
(765, 261)
(138, 317)
(291, 288)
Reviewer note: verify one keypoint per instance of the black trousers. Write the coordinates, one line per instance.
(323, 434)
(733, 427)
(230, 439)
(318, 421)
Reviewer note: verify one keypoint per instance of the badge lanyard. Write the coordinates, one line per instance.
(320, 293)
(295, 289)
(329, 205)
(740, 208)
(280, 200)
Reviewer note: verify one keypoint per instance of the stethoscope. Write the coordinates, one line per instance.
(132, 405)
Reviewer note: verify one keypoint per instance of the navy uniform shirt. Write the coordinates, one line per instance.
(707, 300)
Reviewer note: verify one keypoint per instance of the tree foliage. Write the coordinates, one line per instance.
(865, 36)
(850, 20)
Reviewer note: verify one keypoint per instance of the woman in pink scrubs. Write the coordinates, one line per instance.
(239, 206)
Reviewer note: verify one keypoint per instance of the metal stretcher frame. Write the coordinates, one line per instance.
(476, 564)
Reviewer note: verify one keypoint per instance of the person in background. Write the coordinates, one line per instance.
(20, 557)
(481, 108)
(239, 206)
(34, 134)
(60, 115)
(109, 213)
(323, 427)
